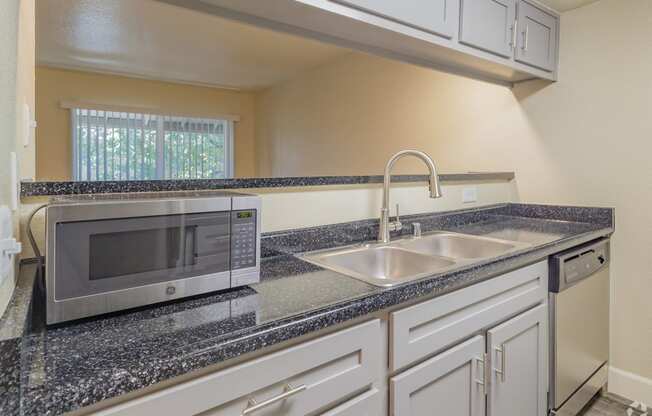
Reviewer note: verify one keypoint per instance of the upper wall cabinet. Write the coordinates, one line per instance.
(537, 40)
(503, 41)
(436, 16)
(489, 25)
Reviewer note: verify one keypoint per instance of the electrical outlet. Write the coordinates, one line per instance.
(469, 195)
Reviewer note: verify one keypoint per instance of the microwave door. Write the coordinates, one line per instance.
(107, 255)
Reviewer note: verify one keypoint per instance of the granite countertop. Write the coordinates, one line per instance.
(43, 188)
(55, 370)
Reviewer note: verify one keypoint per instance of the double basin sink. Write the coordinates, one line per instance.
(410, 258)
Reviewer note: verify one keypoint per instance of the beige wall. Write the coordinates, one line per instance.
(350, 116)
(8, 48)
(16, 88)
(53, 150)
(594, 129)
(26, 87)
(585, 140)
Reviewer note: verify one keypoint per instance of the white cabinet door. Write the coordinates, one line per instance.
(366, 404)
(537, 38)
(421, 330)
(489, 25)
(518, 356)
(450, 384)
(436, 16)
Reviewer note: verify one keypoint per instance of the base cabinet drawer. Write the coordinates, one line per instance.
(297, 381)
(366, 404)
(419, 331)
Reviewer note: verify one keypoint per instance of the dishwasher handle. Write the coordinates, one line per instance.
(572, 266)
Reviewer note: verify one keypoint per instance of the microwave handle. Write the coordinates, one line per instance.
(190, 246)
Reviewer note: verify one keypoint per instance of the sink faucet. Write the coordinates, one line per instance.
(435, 191)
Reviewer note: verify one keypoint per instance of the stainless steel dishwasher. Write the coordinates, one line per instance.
(579, 326)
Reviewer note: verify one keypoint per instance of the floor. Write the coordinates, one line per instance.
(611, 405)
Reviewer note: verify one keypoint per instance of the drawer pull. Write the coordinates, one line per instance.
(288, 391)
(501, 371)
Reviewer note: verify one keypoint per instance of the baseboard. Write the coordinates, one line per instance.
(630, 385)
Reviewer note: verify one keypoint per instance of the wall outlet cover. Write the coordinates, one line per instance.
(469, 195)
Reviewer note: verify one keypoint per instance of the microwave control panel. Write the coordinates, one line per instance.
(243, 239)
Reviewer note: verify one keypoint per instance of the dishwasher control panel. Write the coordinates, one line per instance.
(572, 266)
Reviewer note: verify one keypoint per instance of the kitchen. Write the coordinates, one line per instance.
(226, 231)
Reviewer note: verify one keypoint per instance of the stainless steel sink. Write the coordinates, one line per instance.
(458, 246)
(380, 265)
(403, 260)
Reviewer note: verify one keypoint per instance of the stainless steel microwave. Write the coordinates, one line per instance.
(118, 251)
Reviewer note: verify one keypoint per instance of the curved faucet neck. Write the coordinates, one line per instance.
(435, 189)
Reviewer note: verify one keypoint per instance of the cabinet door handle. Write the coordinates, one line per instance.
(501, 371)
(514, 32)
(526, 35)
(484, 382)
(288, 391)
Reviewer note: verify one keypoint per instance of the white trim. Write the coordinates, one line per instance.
(75, 145)
(229, 145)
(140, 76)
(69, 105)
(630, 385)
(160, 148)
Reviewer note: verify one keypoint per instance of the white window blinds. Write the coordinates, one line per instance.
(114, 145)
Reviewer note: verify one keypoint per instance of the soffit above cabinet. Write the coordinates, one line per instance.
(382, 28)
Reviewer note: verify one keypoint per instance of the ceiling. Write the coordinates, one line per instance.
(156, 40)
(566, 5)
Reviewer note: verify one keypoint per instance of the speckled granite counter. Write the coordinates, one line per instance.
(55, 370)
(42, 188)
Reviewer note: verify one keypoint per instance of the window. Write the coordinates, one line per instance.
(114, 145)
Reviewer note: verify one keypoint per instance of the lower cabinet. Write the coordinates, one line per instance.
(451, 384)
(478, 351)
(518, 351)
(502, 372)
(311, 378)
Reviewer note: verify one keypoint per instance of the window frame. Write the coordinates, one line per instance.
(160, 173)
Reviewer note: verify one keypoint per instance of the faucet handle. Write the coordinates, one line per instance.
(397, 225)
(416, 229)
